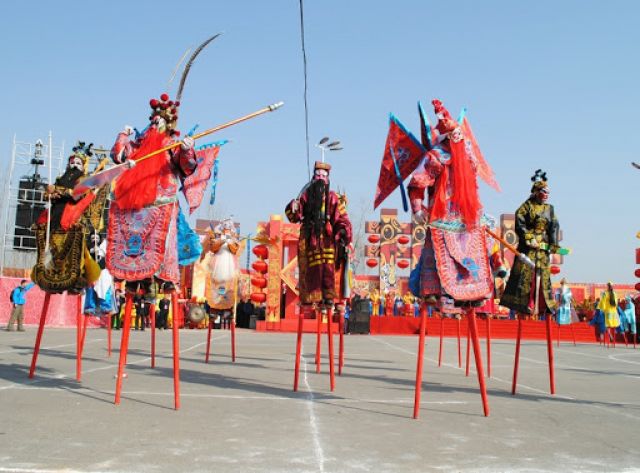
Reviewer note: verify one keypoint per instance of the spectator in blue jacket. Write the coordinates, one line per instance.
(19, 299)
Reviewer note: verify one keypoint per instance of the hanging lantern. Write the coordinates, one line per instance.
(372, 262)
(260, 266)
(259, 281)
(637, 273)
(261, 251)
(403, 263)
(258, 297)
(403, 240)
(638, 287)
(374, 238)
(554, 270)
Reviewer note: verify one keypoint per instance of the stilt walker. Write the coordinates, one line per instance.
(455, 271)
(325, 234)
(528, 290)
(64, 262)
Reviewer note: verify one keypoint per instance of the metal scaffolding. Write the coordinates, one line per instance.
(32, 167)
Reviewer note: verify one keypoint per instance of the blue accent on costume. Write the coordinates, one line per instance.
(134, 246)
(189, 246)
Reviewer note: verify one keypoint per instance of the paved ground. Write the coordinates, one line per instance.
(244, 417)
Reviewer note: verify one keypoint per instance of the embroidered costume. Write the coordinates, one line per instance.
(454, 261)
(63, 261)
(563, 315)
(325, 233)
(537, 229)
(142, 241)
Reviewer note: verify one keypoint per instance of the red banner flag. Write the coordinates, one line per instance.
(402, 149)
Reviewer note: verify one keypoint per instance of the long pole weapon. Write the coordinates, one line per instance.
(110, 174)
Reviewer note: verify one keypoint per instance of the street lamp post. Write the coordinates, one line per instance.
(324, 146)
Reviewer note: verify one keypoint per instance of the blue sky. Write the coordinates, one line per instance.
(548, 84)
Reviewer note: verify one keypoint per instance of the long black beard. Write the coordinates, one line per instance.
(70, 177)
(312, 214)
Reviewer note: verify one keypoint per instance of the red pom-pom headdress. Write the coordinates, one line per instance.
(446, 124)
(167, 109)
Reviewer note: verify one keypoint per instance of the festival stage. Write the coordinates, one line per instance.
(502, 329)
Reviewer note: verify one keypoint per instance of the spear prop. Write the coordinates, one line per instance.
(110, 174)
(524, 258)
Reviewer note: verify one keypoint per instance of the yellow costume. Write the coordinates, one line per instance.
(609, 306)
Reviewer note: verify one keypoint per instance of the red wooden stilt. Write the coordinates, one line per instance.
(489, 345)
(613, 336)
(418, 387)
(318, 339)
(624, 335)
(84, 321)
(233, 339)
(516, 361)
(176, 350)
(36, 348)
(152, 316)
(341, 339)
(109, 335)
(441, 337)
(78, 336)
(459, 348)
(206, 356)
(124, 345)
(296, 376)
(466, 369)
(552, 379)
(332, 374)
(471, 315)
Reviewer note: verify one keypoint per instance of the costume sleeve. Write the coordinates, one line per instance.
(554, 231)
(522, 230)
(342, 229)
(295, 216)
(29, 286)
(121, 149)
(184, 160)
(426, 178)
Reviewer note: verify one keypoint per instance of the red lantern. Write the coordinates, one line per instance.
(638, 287)
(638, 273)
(261, 251)
(372, 262)
(374, 238)
(554, 269)
(403, 240)
(260, 266)
(258, 297)
(259, 281)
(402, 263)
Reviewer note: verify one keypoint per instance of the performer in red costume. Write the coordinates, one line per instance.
(325, 232)
(142, 239)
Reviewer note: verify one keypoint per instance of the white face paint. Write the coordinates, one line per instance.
(456, 135)
(159, 122)
(321, 175)
(76, 163)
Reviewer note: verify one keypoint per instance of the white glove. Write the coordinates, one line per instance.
(130, 163)
(128, 130)
(187, 143)
(420, 217)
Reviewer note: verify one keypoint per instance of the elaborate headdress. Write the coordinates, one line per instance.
(446, 124)
(539, 180)
(84, 152)
(167, 110)
(322, 165)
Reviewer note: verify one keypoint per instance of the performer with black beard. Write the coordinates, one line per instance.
(325, 232)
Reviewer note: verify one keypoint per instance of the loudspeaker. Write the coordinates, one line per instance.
(360, 319)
